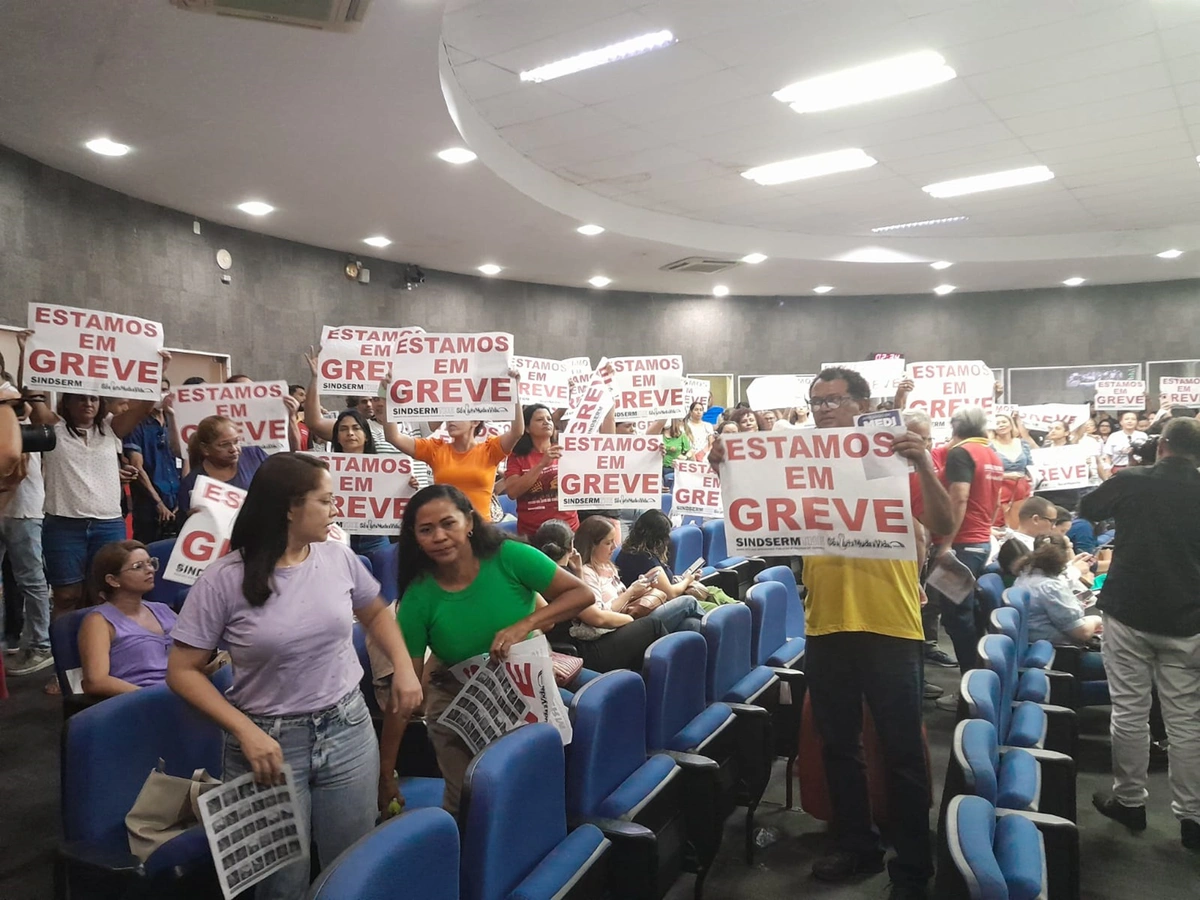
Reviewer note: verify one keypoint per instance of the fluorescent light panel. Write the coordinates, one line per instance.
(947, 221)
(1074, 282)
(378, 241)
(720, 290)
(105, 147)
(491, 269)
(823, 289)
(599, 281)
(590, 230)
(991, 182)
(804, 167)
(862, 84)
(593, 58)
(941, 264)
(754, 258)
(256, 208)
(456, 155)
(1170, 254)
(943, 289)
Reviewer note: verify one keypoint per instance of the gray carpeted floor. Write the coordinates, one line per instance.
(1117, 865)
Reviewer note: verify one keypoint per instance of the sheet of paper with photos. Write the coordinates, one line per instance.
(253, 830)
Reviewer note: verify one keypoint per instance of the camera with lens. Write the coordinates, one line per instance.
(1147, 454)
(38, 439)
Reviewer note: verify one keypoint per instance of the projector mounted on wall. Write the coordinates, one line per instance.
(326, 15)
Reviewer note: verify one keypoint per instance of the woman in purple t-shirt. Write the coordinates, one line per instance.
(215, 449)
(283, 601)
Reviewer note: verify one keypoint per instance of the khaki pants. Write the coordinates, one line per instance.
(453, 756)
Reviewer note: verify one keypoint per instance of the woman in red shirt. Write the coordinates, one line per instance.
(532, 474)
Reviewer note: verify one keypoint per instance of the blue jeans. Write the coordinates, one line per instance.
(681, 614)
(21, 540)
(844, 669)
(335, 761)
(959, 619)
(70, 545)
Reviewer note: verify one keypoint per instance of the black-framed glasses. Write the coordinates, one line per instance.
(828, 402)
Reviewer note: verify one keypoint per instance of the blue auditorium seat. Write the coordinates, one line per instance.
(171, 593)
(795, 604)
(385, 566)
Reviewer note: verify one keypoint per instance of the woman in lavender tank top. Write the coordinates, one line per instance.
(124, 644)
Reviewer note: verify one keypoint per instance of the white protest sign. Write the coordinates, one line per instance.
(355, 359)
(940, 388)
(1061, 468)
(370, 490)
(257, 409)
(1042, 416)
(205, 535)
(452, 376)
(884, 375)
(697, 490)
(82, 351)
(1114, 396)
(1181, 391)
(696, 390)
(607, 471)
(593, 403)
(831, 492)
(778, 391)
(648, 387)
(543, 381)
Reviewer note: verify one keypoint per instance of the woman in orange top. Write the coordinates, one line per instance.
(464, 462)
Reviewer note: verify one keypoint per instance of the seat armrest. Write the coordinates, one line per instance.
(727, 580)
(1062, 729)
(1059, 790)
(705, 801)
(1063, 688)
(754, 734)
(105, 859)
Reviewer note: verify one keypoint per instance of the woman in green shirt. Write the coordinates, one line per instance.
(465, 590)
(675, 444)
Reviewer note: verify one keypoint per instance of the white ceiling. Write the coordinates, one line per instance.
(339, 132)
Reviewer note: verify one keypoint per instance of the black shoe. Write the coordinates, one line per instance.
(932, 691)
(840, 865)
(1189, 834)
(1132, 817)
(937, 657)
(908, 892)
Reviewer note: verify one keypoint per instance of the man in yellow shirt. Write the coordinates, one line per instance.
(865, 641)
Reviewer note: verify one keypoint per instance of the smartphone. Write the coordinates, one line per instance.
(694, 567)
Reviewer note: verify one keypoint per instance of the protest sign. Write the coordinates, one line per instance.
(697, 490)
(257, 408)
(452, 376)
(593, 403)
(1181, 391)
(370, 490)
(81, 351)
(1042, 416)
(205, 535)
(543, 381)
(1061, 468)
(940, 388)
(696, 390)
(835, 492)
(1114, 396)
(355, 359)
(884, 375)
(607, 471)
(648, 387)
(778, 391)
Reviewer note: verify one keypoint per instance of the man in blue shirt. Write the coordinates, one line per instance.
(152, 449)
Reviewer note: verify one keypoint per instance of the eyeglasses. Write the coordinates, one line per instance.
(150, 565)
(228, 445)
(816, 403)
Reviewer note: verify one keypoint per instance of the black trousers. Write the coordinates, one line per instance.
(623, 648)
(844, 669)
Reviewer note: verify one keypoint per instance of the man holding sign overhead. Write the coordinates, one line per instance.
(865, 639)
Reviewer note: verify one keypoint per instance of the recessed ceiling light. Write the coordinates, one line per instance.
(720, 290)
(873, 81)
(599, 281)
(457, 155)
(754, 258)
(590, 230)
(946, 221)
(1170, 254)
(1074, 282)
(941, 264)
(810, 166)
(592, 58)
(105, 147)
(943, 289)
(491, 269)
(256, 207)
(992, 181)
(378, 241)
(823, 289)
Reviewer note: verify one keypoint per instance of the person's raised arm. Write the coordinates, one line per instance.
(656, 427)
(1099, 505)
(318, 425)
(186, 677)
(1022, 430)
(294, 441)
(565, 598)
(405, 443)
(95, 645)
(509, 439)
(40, 412)
(902, 391)
(938, 515)
(123, 424)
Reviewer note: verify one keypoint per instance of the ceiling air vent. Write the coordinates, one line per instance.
(327, 15)
(700, 265)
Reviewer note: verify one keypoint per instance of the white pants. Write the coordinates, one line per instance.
(1134, 662)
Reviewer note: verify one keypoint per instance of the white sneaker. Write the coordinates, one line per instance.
(31, 661)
